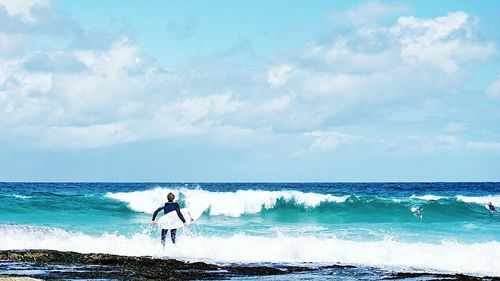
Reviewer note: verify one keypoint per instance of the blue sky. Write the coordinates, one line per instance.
(249, 91)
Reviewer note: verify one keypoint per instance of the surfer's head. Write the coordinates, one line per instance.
(170, 197)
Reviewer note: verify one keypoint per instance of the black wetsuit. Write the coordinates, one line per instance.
(492, 208)
(167, 208)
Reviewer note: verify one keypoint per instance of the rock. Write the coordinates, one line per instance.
(255, 270)
(339, 266)
(106, 266)
(439, 276)
(8, 278)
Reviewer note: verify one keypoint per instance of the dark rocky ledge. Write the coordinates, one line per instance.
(105, 266)
(72, 265)
(437, 277)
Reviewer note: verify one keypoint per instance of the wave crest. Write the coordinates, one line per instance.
(233, 204)
(428, 197)
(494, 199)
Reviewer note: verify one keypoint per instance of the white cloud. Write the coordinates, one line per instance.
(345, 86)
(12, 74)
(117, 97)
(88, 97)
(437, 144)
(446, 140)
(454, 127)
(386, 71)
(112, 80)
(194, 109)
(275, 105)
(11, 43)
(277, 76)
(327, 140)
(442, 41)
(341, 57)
(23, 93)
(22, 8)
(495, 146)
(427, 31)
(493, 89)
(367, 12)
(92, 136)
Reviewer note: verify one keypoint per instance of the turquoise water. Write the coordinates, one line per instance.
(367, 224)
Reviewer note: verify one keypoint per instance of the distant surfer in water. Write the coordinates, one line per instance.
(491, 207)
(169, 206)
(418, 212)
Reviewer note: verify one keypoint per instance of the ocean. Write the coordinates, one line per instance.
(373, 226)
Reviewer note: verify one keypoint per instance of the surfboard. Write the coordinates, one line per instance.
(172, 220)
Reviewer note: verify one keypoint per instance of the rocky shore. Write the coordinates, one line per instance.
(49, 264)
(68, 265)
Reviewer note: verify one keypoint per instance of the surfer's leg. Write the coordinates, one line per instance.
(163, 234)
(172, 234)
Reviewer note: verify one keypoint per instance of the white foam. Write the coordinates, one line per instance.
(232, 204)
(21, 196)
(494, 199)
(26, 237)
(477, 258)
(142, 201)
(428, 197)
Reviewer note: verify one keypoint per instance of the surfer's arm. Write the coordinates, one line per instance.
(156, 213)
(178, 210)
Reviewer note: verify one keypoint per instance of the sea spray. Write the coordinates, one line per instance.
(475, 258)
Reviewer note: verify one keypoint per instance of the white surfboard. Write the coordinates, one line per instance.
(172, 220)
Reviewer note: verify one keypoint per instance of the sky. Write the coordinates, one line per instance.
(194, 91)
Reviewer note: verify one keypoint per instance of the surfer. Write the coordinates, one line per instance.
(491, 207)
(418, 212)
(169, 206)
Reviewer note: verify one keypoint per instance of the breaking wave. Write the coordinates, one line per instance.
(321, 207)
(233, 204)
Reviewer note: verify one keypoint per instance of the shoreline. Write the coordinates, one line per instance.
(51, 264)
